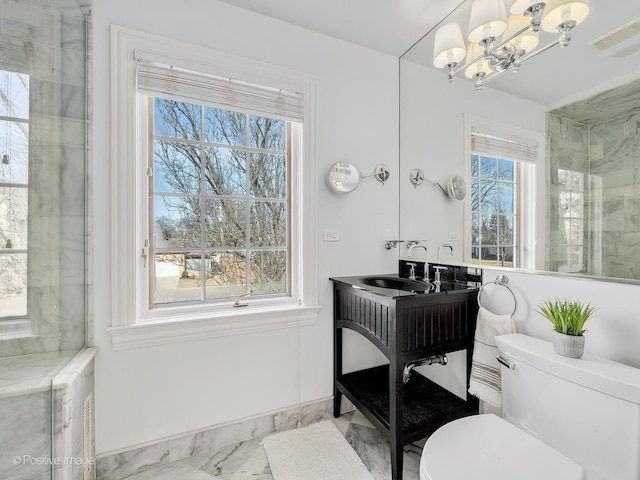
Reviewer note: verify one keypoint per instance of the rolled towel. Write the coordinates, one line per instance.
(485, 369)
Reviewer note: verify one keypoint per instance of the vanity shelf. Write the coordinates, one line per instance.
(405, 326)
(427, 406)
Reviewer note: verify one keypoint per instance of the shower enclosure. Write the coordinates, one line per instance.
(594, 160)
(46, 372)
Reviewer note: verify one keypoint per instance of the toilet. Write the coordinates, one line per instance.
(562, 419)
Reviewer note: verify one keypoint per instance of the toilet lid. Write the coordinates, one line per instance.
(486, 447)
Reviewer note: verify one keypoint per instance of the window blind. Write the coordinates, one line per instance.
(168, 81)
(485, 144)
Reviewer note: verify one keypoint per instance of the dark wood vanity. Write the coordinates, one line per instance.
(406, 327)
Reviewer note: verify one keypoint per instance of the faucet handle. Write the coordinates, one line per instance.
(412, 272)
(437, 268)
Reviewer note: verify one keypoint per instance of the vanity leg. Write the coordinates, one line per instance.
(337, 400)
(337, 370)
(397, 458)
(396, 402)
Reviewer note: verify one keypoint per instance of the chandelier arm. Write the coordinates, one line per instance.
(537, 52)
(459, 68)
(490, 76)
(466, 64)
(507, 40)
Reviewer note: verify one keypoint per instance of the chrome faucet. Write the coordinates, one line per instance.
(412, 271)
(436, 280)
(445, 245)
(411, 246)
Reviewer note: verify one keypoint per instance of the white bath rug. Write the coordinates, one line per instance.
(316, 452)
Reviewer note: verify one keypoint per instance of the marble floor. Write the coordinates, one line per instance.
(248, 461)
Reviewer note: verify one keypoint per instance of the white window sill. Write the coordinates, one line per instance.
(183, 328)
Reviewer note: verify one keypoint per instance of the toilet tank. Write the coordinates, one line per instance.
(587, 408)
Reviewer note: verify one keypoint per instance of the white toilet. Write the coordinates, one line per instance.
(564, 419)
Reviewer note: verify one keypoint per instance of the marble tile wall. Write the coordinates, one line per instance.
(25, 436)
(47, 40)
(122, 464)
(615, 157)
(70, 390)
(41, 415)
(608, 152)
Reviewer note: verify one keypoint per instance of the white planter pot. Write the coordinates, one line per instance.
(568, 345)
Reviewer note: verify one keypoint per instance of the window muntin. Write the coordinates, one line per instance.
(14, 195)
(219, 208)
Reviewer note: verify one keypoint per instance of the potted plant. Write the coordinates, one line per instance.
(568, 318)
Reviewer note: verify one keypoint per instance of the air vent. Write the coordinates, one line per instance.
(621, 42)
(88, 437)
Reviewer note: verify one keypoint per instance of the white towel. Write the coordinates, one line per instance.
(485, 369)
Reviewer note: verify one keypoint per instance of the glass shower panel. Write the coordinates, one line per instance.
(568, 196)
(42, 177)
(43, 124)
(593, 193)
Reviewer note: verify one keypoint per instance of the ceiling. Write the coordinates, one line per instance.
(388, 26)
(559, 75)
(553, 78)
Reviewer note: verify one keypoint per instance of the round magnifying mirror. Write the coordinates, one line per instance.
(457, 188)
(343, 177)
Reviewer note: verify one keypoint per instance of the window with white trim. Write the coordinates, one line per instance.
(502, 201)
(218, 225)
(214, 172)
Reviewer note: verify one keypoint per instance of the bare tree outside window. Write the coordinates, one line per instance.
(219, 204)
(493, 217)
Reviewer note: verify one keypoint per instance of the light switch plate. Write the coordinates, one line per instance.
(331, 235)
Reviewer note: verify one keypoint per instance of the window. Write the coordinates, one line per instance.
(218, 216)
(213, 174)
(571, 221)
(501, 204)
(493, 214)
(14, 172)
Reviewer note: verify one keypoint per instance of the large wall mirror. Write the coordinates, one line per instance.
(551, 153)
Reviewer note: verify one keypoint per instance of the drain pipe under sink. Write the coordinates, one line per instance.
(439, 359)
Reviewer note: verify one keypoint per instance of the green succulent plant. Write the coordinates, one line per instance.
(567, 316)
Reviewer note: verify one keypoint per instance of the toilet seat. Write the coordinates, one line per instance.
(486, 447)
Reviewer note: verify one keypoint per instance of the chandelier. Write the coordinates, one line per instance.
(498, 42)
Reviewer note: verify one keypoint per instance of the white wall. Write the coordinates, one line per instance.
(149, 393)
(614, 332)
(432, 139)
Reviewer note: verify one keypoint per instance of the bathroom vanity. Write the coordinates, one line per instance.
(408, 321)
